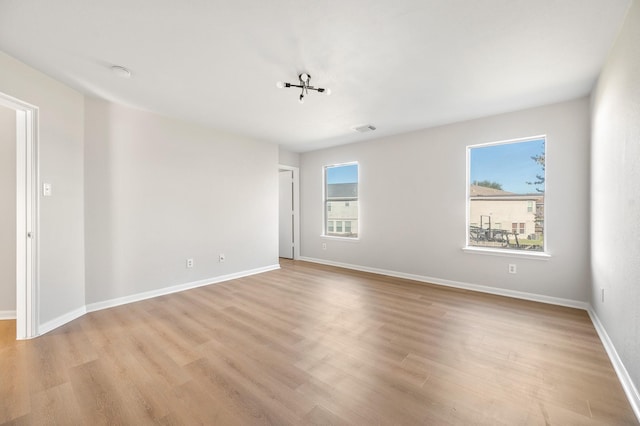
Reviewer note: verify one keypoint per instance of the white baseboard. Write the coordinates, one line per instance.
(457, 284)
(91, 307)
(7, 315)
(623, 375)
(70, 316)
(61, 320)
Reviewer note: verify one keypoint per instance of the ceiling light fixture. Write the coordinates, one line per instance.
(304, 85)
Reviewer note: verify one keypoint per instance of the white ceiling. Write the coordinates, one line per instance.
(400, 65)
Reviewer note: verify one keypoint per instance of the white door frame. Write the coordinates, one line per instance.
(27, 224)
(296, 208)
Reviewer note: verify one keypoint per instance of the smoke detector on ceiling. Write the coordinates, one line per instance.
(121, 71)
(364, 129)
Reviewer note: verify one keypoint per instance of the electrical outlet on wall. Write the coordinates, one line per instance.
(221, 257)
(512, 268)
(189, 263)
(324, 246)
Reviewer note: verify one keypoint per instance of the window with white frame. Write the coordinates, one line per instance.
(506, 185)
(341, 200)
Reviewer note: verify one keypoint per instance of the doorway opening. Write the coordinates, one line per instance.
(26, 215)
(289, 207)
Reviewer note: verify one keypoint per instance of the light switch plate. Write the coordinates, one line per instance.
(46, 190)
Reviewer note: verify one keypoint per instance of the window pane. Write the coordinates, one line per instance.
(506, 186)
(341, 199)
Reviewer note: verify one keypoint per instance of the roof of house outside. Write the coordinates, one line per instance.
(480, 191)
(342, 190)
(476, 191)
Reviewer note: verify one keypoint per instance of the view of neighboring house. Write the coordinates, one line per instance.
(342, 210)
(499, 218)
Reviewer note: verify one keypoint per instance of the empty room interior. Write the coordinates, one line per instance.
(320, 212)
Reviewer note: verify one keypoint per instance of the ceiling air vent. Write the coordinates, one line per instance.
(364, 129)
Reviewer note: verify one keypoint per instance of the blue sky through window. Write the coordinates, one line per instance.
(508, 164)
(342, 174)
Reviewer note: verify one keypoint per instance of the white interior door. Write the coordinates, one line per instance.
(286, 214)
(26, 216)
(7, 213)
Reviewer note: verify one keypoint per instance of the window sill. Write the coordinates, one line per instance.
(507, 253)
(332, 237)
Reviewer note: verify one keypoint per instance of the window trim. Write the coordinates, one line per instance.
(545, 254)
(323, 233)
(522, 254)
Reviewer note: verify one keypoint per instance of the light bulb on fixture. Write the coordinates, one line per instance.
(279, 85)
(301, 100)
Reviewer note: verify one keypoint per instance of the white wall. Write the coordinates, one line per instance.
(61, 114)
(412, 203)
(615, 195)
(159, 191)
(7, 210)
(288, 158)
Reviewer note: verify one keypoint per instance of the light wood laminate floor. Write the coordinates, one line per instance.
(311, 344)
